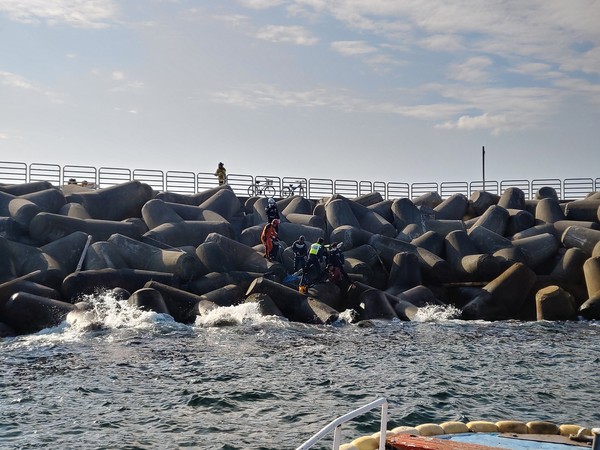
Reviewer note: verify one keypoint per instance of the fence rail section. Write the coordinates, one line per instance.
(243, 185)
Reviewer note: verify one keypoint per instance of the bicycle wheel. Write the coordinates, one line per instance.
(269, 191)
(301, 191)
(252, 190)
(286, 192)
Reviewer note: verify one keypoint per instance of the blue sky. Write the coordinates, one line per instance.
(380, 90)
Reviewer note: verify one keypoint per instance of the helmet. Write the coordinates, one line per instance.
(271, 201)
(301, 238)
(275, 222)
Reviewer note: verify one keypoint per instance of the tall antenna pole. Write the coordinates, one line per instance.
(483, 165)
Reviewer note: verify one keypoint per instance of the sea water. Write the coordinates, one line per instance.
(116, 377)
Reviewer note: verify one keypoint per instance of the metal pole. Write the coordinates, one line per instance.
(483, 165)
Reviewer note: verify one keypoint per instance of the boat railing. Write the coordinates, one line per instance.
(187, 182)
(336, 426)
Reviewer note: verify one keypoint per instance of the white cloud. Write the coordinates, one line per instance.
(4, 136)
(473, 70)
(15, 81)
(117, 76)
(77, 13)
(442, 43)
(259, 4)
(496, 124)
(352, 48)
(287, 34)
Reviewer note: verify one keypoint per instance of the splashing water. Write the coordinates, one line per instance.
(246, 313)
(436, 313)
(103, 311)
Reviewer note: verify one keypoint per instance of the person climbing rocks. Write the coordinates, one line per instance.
(271, 210)
(312, 271)
(269, 239)
(300, 249)
(335, 264)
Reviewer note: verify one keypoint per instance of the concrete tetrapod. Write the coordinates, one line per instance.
(156, 212)
(142, 256)
(405, 213)
(292, 304)
(548, 210)
(26, 188)
(587, 210)
(228, 295)
(28, 313)
(495, 219)
(266, 305)
(518, 221)
(56, 259)
(338, 213)
(148, 299)
(480, 201)
(23, 211)
(512, 198)
(185, 233)
(419, 296)
(180, 304)
(87, 282)
(219, 251)
(375, 305)
(7, 266)
(22, 284)
(487, 241)
(430, 241)
(443, 227)
(405, 272)
(452, 208)
(507, 294)
(538, 249)
(104, 255)
(48, 227)
(350, 236)
(554, 303)
(583, 238)
(223, 202)
(116, 202)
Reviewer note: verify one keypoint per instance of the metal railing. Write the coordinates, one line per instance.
(191, 183)
(336, 426)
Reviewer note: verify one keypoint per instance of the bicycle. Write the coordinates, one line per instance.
(290, 190)
(254, 190)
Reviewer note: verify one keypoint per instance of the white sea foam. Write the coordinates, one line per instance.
(246, 313)
(437, 313)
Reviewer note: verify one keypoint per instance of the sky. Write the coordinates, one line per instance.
(378, 90)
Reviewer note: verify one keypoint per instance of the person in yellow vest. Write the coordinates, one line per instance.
(312, 271)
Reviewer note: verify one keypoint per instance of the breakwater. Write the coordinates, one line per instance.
(493, 257)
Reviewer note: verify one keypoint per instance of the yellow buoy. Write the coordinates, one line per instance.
(454, 427)
(481, 426)
(541, 427)
(568, 429)
(430, 429)
(512, 426)
(366, 443)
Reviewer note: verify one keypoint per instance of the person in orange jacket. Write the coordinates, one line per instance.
(269, 239)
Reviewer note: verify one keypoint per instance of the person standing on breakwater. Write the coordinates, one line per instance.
(300, 250)
(221, 173)
(269, 239)
(313, 265)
